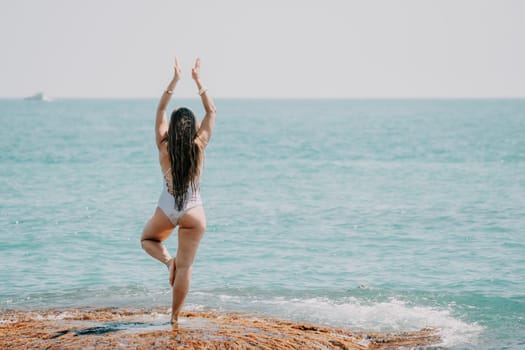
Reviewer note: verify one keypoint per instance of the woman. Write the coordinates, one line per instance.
(181, 145)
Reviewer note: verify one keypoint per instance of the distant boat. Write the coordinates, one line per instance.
(38, 97)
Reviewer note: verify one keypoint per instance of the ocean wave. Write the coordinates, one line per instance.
(392, 315)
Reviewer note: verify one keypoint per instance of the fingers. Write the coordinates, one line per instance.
(176, 68)
(197, 65)
(194, 70)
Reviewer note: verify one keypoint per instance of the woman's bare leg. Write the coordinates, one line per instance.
(191, 229)
(158, 229)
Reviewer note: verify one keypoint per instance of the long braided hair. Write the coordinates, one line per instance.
(185, 154)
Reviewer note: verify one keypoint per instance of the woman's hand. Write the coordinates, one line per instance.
(176, 70)
(195, 70)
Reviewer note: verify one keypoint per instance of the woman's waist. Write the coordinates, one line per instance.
(190, 191)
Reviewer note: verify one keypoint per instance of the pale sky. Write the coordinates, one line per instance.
(266, 48)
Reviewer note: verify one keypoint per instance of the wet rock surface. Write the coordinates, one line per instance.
(149, 329)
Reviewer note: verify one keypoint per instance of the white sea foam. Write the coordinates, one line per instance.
(392, 315)
(355, 314)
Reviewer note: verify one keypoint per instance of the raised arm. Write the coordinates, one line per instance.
(161, 122)
(208, 122)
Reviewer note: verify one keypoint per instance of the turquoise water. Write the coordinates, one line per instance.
(367, 214)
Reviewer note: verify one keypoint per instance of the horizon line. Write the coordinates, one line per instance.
(277, 97)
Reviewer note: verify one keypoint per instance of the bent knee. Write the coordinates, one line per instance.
(144, 242)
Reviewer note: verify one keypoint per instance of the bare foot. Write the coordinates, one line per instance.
(174, 323)
(173, 269)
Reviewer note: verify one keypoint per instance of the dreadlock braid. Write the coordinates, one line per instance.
(185, 154)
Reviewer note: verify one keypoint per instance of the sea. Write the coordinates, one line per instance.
(366, 214)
